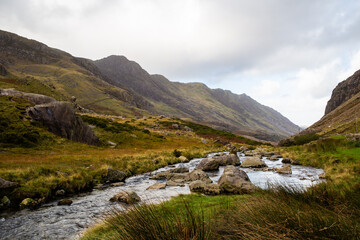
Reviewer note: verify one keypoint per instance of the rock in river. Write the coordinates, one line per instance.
(208, 164)
(235, 181)
(198, 175)
(254, 162)
(129, 197)
(67, 202)
(230, 159)
(157, 185)
(285, 169)
(197, 186)
(114, 175)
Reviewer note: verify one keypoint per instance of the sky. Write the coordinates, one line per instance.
(288, 55)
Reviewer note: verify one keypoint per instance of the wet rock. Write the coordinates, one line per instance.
(60, 119)
(285, 169)
(212, 189)
(286, 160)
(129, 197)
(114, 175)
(208, 164)
(248, 154)
(60, 192)
(7, 187)
(157, 185)
(117, 184)
(231, 159)
(322, 176)
(253, 162)
(295, 162)
(175, 182)
(179, 170)
(178, 176)
(27, 203)
(235, 181)
(273, 158)
(4, 202)
(197, 186)
(101, 186)
(162, 175)
(183, 159)
(63, 202)
(198, 174)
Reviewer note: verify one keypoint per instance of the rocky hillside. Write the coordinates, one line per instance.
(343, 92)
(195, 101)
(32, 65)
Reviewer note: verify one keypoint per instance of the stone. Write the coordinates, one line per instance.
(3, 71)
(212, 189)
(4, 202)
(157, 185)
(60, 192)
(60, 119)
(27, 203)
(285, 169)
(117, 184)
(73, 99)
(198, 174)
(273, 158)
(176, 182)
(235, 181)
(322, 176)
(183, 159)
(63, 202)
(128, 197)
(253, 162)
(162, 175)
(208, 164)
(188, 129)
(7, 187)
(295, 162)
(204, 141)
(197, 186)
(178, 176)
(231, 159)
(179, 170)
(175, 126)
(286, 160)
(248, 153)
(114, 175)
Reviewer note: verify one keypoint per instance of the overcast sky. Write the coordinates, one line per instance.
(286, 54)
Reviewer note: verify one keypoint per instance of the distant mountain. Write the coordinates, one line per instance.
(32, 65)
(195, 101)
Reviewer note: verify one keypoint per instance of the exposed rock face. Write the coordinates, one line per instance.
(129, 197)
(343, 92)
(32, 97)
(254, 162)
(60, 119)
(208, 164)
(114, 175)
(6, 187)
(235, 181)
(3, 71)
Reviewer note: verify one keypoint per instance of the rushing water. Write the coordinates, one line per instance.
(67, 222)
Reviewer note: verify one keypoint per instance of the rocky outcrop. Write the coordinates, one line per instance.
(129, 197)
(60, 119)
(208, 164)
(235, 181)
(3, 71)
(32, 97)
(6, 187)
(344, 91)
(114, 175)
(253, 162)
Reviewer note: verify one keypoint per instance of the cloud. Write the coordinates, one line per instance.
(241, 45)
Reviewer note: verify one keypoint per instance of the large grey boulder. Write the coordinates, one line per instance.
(114, 175)
(156, 186)
(198, 174)
(285, 169)
(208, 164)
(235, 181)
(32, 97)
(7, 187)
(60, 119)
(253, 162)
(197, 186)
(212, 189)
(230, 159)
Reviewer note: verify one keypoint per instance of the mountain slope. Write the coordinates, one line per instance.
(28, 62)
(197, 102)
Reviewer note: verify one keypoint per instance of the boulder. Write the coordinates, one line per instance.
(157, 185)
(183, 159)
(198, 174)
(60, 119)
(7, 187)
(254, 162)
(231, 159)
(208, 164)
(129, 197)
(176, 182)
(114, 175)
(27, 203)
(235, 181)
(162, 175)
(249, 153)
(273, 158)
(4, 202)
(286, 160)
(155, 161)
(188, 129)
(285, 169)
(212, 189)
(32, 97)
(178, 176)
(179, 170)
(60, 192)
(197, 186)
(67, 202)
(3, 71)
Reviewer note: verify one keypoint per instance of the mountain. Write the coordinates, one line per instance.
(344, 91)
(33, 66)
(195, 101)
(117, 86)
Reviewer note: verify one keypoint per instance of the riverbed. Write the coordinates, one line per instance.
(67, 222)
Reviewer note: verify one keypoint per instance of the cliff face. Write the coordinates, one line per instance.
(344, 91)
